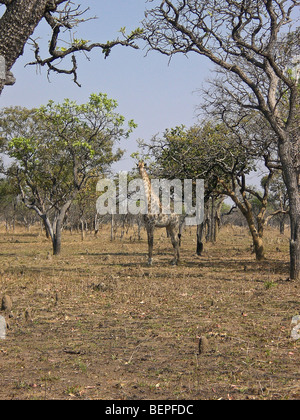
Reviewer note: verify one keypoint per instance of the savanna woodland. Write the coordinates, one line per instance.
(84, 314)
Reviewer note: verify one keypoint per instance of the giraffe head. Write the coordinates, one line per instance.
(141, 165)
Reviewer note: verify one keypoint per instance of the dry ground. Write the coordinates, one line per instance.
(97, 323)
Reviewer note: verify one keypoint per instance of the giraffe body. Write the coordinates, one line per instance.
(152, 220)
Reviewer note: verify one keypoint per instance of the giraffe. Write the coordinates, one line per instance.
(169, 221)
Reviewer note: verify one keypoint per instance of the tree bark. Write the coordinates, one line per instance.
(57, 228)
(291, 181)
(46, 226)
(200, 230)
(217, 219)
(257, 241)
(212, 221)
(82, 230)
(56, 242)
(16, 26)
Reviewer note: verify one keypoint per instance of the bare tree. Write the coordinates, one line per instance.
(252, 41)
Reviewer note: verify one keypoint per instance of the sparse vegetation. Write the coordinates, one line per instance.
(137, 336)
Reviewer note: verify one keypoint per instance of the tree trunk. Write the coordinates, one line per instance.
(281, 225)
(56, 237)
(218, 218)
(46, 226)
(258, 247)
(16, 26)
(112, 227)
(256, 237)
(57, 228)
(212, 221)
(82, 230)
(291, 180)
(200, 230)
(295, 240)
(56, 242)
(295, 253)
(54, 233)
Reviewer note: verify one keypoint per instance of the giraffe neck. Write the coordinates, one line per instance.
(152, 198)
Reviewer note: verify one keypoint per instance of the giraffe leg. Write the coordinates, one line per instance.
(150, 233)
(181, 224)
(175, 244)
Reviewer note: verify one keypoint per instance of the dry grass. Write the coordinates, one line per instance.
(100, 324)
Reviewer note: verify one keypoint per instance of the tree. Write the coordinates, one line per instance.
(12, 210)
(57, 149)
(223, 159)
(278, 202)
(21, 18)
(8, 201)
(85, 205)
(251, 41)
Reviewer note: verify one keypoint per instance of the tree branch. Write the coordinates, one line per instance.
(67, 18)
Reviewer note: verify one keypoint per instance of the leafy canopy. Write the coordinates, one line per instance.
(57, 148)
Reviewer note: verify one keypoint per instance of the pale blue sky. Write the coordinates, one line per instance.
(156, 94)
